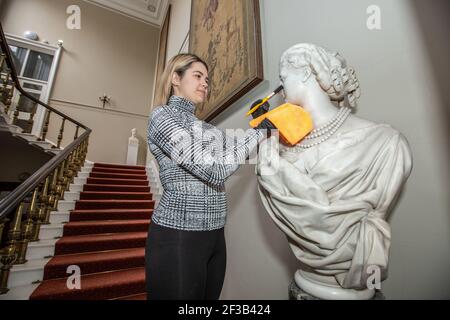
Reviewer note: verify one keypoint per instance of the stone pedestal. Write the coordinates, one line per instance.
(133, 149)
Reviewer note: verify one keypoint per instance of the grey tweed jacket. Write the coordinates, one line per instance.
(194, 158)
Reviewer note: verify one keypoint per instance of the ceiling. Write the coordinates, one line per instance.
(147, 11)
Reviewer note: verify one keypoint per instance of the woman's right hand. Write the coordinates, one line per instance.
(261, 110)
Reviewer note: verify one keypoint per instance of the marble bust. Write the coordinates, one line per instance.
(133, 140)
(133, 148)
(332, 193)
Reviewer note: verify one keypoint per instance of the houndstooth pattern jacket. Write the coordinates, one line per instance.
(194, 158)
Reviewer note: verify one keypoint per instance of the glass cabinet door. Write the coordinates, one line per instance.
(38, 66)
(18, 54)
(31, 64)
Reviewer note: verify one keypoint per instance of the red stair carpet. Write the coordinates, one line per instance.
(105, 237)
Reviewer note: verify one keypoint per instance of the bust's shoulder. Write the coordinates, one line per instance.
(358, 130)
(355, 123)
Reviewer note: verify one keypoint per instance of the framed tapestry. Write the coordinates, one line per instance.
(227, 35)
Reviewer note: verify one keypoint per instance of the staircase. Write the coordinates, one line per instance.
(100, 227)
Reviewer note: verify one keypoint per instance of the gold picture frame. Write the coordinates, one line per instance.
(227, 35)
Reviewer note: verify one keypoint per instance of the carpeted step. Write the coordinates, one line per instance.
(142, 296)
(99, 286)
(110, 214)
(128, 182)
(107, 175)
(116, 170)
(107, 226)
(100, 242)
(114, 204)
(94, 262)
(96, 195)
(117, 166)
(115, 188)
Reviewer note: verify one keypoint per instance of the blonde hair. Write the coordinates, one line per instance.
(179, 64)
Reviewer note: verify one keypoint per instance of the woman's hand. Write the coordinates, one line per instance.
(261, 110)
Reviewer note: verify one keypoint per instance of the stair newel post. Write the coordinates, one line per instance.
(28, 229)
(61, 133)
(45, 128)
(42, 209)
(52, 198)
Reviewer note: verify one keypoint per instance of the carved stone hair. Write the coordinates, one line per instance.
(329, 68)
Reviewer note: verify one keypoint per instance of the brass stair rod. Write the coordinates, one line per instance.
(71, 172)
(51, 197)
(28, 230)
(59, 185)
(66, 177)
(40, 217)
(45, 128)
(61, 133)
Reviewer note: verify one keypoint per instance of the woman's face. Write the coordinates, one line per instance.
(193, 86)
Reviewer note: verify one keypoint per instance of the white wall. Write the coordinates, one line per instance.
(111, 54)
(179, 26)
(399, 88)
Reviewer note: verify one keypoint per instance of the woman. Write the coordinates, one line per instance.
(185, 252)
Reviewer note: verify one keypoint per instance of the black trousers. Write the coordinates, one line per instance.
(184, 265)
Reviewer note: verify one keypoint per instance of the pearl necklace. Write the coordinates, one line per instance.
(316, 133)
(327, 131)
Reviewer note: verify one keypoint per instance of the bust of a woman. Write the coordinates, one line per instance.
(331, 194)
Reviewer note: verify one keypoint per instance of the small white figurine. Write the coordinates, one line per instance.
(331, 194)
(133, 148)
